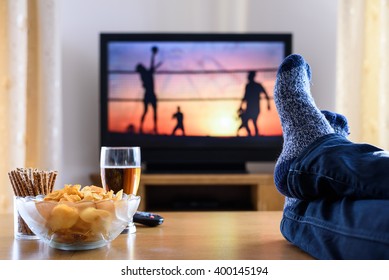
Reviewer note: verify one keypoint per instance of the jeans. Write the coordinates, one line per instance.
(340, 206)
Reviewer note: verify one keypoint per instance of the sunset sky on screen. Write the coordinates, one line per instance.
(209, 101)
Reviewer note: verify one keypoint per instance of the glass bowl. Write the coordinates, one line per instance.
(78, 225)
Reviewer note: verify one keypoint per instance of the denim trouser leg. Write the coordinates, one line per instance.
(339, 229)
(342, 192)
(335, 167)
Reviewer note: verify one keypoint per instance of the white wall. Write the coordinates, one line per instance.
(313, 24)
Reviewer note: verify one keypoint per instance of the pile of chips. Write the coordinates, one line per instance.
(75, 193)
(75, 214)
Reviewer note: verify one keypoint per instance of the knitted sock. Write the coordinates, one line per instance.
(338, 122)
(302, 122)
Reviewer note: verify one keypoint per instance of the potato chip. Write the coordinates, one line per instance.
(107, 205)
(99, 219)
(44, 208)
(88, 195)
(119, 195)
(71, 197)
(54, 196)
(91, 215)
(62, 217)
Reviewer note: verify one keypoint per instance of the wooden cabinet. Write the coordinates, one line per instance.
(263, 192)
(264, 195)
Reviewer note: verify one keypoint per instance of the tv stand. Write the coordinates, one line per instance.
(264, 195)
(195, 168)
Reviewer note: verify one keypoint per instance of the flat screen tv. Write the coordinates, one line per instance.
(192, 102)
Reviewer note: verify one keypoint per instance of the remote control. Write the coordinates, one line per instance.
(147, 218)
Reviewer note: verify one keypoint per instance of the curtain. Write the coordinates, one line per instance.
(363, 69)
(30, 90)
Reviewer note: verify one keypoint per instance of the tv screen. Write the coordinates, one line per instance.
(192, 101)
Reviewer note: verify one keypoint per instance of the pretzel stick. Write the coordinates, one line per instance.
(53, 177)
(18, 181)
(13, 184)
(37, 182)
(31, 180)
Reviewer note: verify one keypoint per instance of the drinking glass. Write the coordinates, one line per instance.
(120, 170)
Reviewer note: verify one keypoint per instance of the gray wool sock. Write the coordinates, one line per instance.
(338, 122)
(340, 125)
(302, 122)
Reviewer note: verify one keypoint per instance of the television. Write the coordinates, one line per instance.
(193, 102)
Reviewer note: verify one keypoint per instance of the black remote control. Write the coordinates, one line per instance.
(147, 218)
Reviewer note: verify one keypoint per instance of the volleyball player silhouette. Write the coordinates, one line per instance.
(150, 98)
(179, 116)
(252, 96)
(244, 124)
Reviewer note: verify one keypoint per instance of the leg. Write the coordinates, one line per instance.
(334, 167)
(248, 130)
(155, 116)
(309, 137)
(326, 175)
(302, 122)
(255, 126)
(339, 229)
(145, 108)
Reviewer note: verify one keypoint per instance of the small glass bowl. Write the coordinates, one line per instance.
(81, 225)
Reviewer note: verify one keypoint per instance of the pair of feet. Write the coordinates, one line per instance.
(302, 122)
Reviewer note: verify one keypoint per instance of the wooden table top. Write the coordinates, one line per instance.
(252, 235)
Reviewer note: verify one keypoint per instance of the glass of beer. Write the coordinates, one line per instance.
(120, 170)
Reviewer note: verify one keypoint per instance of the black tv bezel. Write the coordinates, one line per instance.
(196, 155)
